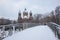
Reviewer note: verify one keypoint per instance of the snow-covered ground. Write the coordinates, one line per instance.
(42, 32)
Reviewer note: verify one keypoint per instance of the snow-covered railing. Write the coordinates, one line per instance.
(22, 25)
(54, 25)
(55, 28)
(13, 28)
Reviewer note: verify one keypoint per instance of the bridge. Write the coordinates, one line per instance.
(10, 29)
(19, 26)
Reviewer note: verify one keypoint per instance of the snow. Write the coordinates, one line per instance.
(42, 32)
(26, 17)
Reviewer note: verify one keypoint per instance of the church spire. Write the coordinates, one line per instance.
(30, 18)
(19, 13)
(30, 13)
(25, 14)
(19, 17)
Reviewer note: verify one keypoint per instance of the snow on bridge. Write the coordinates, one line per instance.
(42, 32)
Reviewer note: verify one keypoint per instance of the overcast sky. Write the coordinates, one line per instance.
(9, 8)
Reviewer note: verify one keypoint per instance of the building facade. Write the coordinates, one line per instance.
(25, 18)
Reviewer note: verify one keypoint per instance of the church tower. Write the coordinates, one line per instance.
(30, 17)
(25, 15)
(19, 17)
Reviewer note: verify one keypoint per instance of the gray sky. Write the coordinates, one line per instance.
(9, 8)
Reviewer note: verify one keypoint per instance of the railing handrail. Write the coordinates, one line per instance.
(18, 24)
(54, 24)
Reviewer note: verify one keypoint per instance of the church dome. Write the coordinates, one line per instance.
(25, 12)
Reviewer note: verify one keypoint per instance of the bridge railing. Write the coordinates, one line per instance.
(10, 29)
(55, 28)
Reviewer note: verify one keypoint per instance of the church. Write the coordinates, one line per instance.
(25, 18)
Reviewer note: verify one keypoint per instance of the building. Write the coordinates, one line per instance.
(4, 21)
(26, 18)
